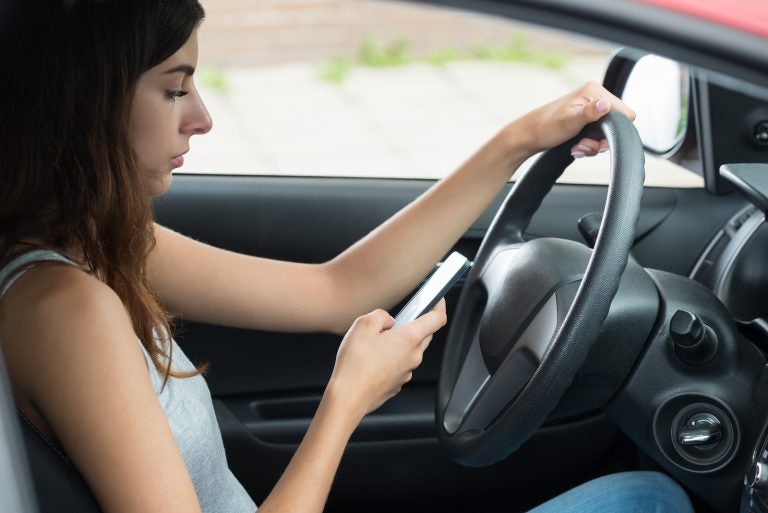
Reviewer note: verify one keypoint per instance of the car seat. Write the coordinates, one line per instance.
(57, 483)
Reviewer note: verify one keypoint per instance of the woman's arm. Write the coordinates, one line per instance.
(374, 361)
(394, 257)
(210, 285)
(78, 373)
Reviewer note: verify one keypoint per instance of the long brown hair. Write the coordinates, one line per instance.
(68, 175)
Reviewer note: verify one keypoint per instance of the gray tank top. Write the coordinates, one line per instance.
(187, 405)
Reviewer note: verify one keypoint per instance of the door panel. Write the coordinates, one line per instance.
(266, 386)
(415, 475)
(313, 219)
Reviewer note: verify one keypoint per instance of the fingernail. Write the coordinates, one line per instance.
(583, 148)
(603, 105)
(577, 154)
(603, 150)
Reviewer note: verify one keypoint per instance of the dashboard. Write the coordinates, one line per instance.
(733, 266)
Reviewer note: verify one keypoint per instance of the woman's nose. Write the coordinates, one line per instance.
(198, 120)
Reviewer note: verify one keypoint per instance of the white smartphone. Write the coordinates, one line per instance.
(435, 288)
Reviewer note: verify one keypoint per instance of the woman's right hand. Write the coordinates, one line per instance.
(375, 360)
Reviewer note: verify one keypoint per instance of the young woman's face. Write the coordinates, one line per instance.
(166, 111)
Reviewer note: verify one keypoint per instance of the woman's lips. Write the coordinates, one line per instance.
(178, 161)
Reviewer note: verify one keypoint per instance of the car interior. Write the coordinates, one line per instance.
(601, 328)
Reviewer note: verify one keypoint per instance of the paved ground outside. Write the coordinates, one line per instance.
(273, 114)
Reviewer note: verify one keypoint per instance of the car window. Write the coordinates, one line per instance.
(379, 88)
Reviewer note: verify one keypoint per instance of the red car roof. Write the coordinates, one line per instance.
(745, 15)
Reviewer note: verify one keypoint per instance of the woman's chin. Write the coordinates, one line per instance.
(160, 185)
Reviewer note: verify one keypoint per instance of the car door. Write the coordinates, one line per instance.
(266, 385)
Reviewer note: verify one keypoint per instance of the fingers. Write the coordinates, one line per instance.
(588, 148)
(377, 320)
(563, 118)
(600, 101)
(440, 306)
(620, 106)
(585, 148)
(425, 343)
(427, 324)
(601, 106)
(598, 104)
(375, 360)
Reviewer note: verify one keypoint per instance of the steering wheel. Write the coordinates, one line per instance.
(530, 311)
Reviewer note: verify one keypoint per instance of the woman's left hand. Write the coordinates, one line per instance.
(563, 118)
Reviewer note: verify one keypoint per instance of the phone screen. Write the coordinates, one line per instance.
(435, 288)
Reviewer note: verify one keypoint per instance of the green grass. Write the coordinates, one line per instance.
(335, 70)
(444, 56)
(518, 50)
(391, 55)
(397, 53)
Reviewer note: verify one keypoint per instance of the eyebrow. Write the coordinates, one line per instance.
(183, 68)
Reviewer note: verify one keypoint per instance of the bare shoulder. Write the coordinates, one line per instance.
(52, 282)
(54, 302)
(57, 315)
(73, 355)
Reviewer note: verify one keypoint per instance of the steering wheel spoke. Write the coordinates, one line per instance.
(538, 336)
(475, 379)
(500, 390)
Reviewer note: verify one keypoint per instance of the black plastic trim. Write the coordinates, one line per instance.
(749, 179)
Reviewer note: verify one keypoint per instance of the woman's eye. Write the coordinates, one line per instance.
(173, 94)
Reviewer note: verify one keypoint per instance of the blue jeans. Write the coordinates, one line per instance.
(627, 492)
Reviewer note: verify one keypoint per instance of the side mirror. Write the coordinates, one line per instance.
(658, 90)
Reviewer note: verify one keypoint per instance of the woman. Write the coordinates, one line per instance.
(98, 110)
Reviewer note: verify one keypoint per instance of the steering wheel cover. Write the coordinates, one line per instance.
(580, 326)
